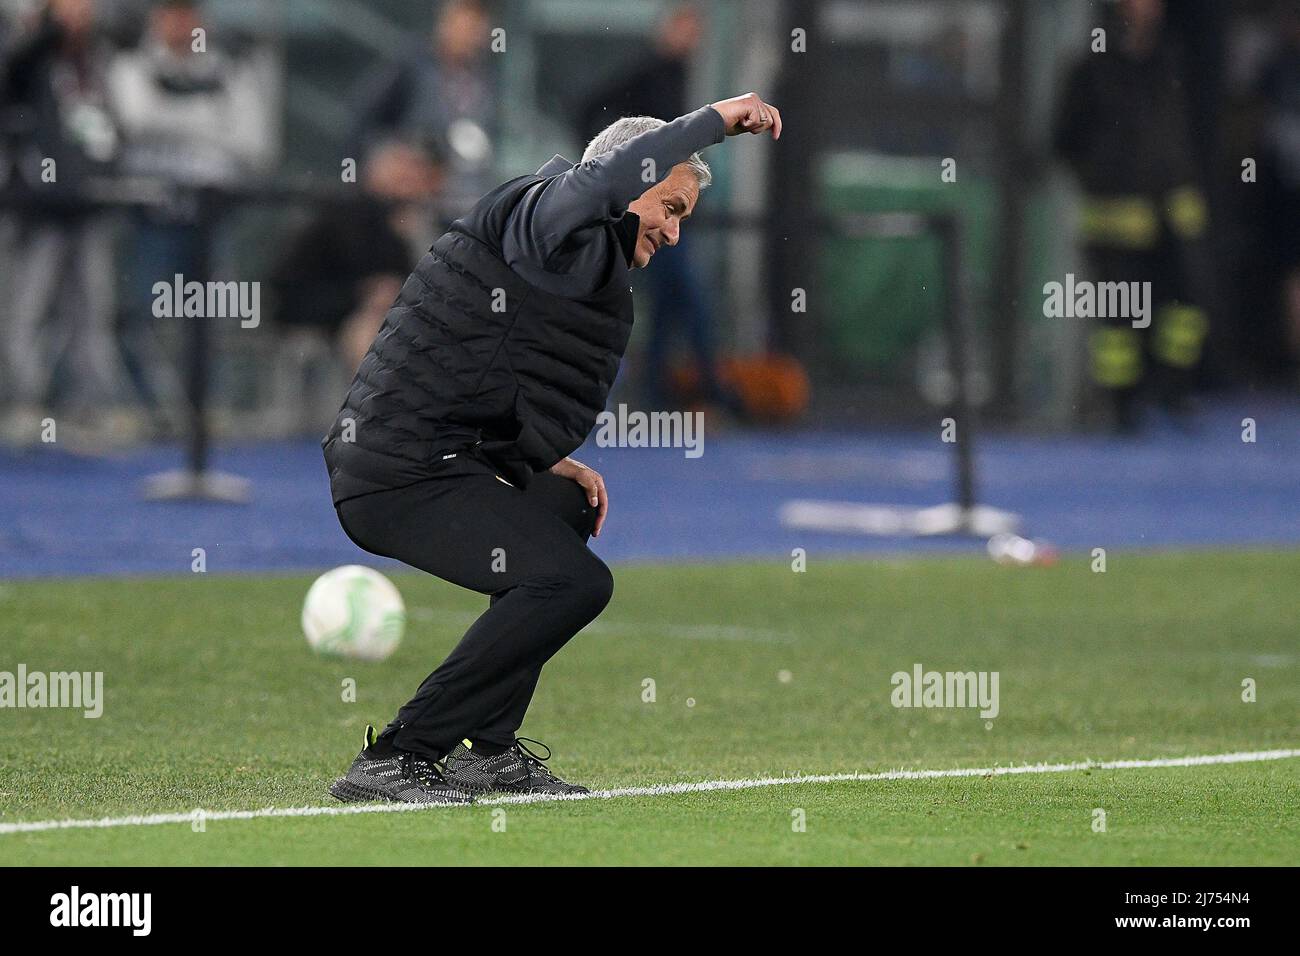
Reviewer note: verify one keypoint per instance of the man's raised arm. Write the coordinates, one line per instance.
(600, 189)
(605, 184)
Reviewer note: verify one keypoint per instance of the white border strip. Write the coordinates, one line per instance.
(157, 819)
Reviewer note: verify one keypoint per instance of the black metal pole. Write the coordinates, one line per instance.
(200, 355)
(949, 230)
(1015, 173)
(196, 481)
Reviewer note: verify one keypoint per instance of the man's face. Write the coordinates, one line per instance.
(403, 173)
(1143, 14)
(663, 208)
(680, 34)
(461, 33)
(174, 27)
(75, 16)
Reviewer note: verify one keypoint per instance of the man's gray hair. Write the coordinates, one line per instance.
(621, 130)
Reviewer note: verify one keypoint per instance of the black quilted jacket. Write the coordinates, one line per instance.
(471, 354)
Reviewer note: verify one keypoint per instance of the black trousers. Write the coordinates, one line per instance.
(525, 548)
(1160, 360)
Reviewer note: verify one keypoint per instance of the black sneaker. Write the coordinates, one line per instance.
(399, 776)
(517, 770)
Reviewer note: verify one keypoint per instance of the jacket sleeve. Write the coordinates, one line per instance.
(600, 189)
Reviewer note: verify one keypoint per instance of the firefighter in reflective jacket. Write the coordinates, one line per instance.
(1124, 129)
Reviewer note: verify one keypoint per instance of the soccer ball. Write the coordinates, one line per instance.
(353, 611)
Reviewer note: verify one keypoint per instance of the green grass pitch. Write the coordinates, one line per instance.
(213, 701)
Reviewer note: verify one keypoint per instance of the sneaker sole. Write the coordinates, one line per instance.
(349, 791)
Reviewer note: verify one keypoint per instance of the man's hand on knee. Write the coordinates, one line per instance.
(591, 483)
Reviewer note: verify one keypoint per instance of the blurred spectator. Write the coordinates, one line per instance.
(6, 36)
(656, 86)
(442, 92)
(341, 273)
(1123, 127)
(63, 140)
(194, 118)
(7, 225)
(191, 114)
(1279, 91)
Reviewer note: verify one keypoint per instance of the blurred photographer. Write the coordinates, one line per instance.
(193, 118)
(341, 272)
(442, 90)
(63, 139)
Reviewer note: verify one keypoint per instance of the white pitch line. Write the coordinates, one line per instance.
(156, 819)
